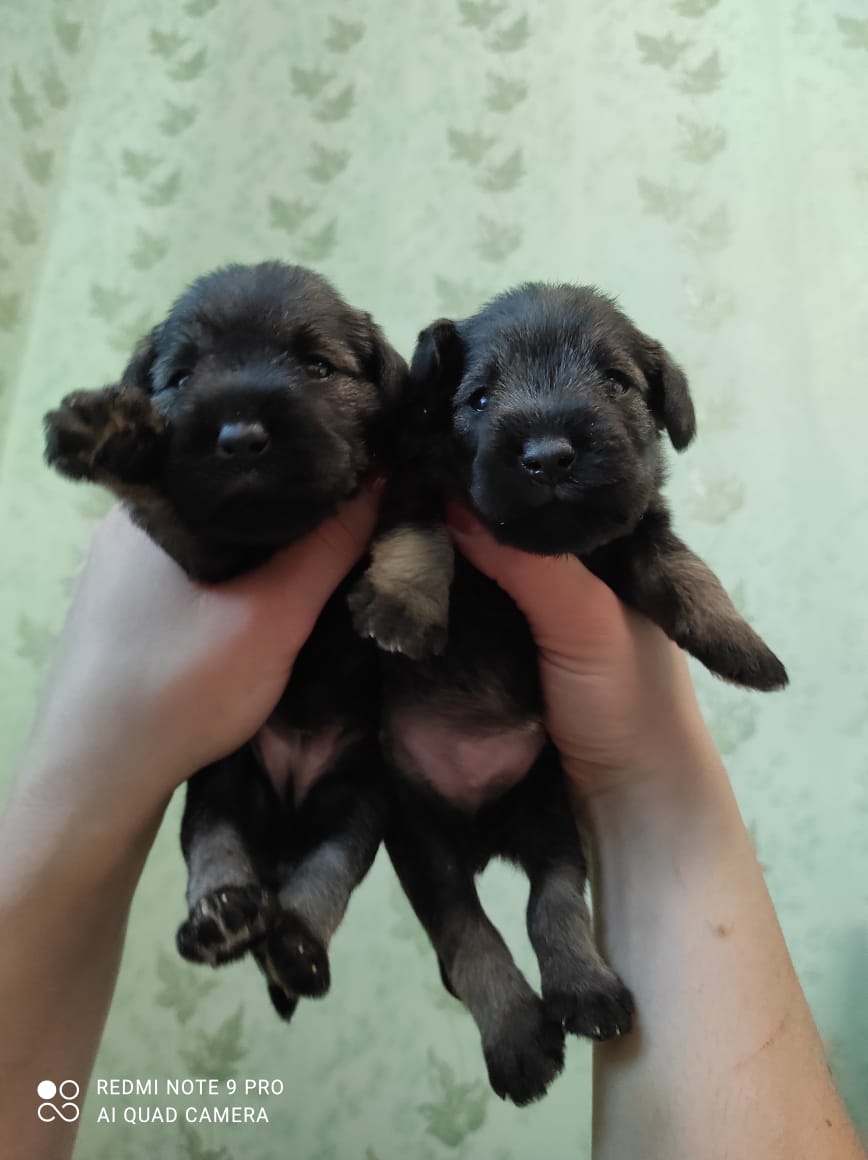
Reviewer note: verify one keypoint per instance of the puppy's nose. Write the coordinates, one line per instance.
(243, 440)
(548, 458)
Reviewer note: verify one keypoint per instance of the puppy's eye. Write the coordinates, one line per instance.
(618, 381)
(318, 368)
(178, 379)
(478, 400)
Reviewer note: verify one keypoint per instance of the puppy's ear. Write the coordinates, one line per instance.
(439, 354)
(384, 365)
(669, 397)
(391, 369)
(138, 371)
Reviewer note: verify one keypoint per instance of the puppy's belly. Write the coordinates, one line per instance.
(296, 759)
(466, 766)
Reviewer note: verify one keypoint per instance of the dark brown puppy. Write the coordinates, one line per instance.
(242, 421)
(545, 413)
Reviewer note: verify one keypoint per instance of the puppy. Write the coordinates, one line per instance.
(242, 421)
(545, 412)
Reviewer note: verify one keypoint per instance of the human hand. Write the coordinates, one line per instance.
(155, 676)
(620, 705)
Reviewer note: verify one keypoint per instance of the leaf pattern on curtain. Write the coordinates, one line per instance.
(704, 161)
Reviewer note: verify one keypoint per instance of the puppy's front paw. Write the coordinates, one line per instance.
(224, 924)
(525, 1053)
(597, 1006)
(410, 627)
(102, 435)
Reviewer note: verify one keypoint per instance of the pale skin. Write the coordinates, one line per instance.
(725, 1060)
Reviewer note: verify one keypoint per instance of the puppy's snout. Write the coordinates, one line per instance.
(548, 458)
(242, 440)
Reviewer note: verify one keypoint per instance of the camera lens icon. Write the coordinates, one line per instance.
(66, 1092)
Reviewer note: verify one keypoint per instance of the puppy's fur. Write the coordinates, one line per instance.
(545, 412)
(242, 421)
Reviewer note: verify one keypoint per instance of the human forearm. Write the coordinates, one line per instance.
(66, 884)
(725, 1059)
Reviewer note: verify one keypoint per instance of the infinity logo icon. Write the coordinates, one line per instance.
(67, 1091)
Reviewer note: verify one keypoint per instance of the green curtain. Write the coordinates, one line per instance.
(706, 161)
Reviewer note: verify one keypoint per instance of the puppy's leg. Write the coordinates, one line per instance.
(659, 575)
(226, 816)
(341, 823)
(523, 1046)
(579, 989)
(402, 600)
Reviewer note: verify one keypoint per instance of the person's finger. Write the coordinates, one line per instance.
(566, 606)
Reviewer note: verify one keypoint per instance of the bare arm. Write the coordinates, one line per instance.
(64, 902)
(154, 678)
(725, 1060)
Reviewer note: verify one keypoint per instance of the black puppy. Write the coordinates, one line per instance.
(544, 412)
(241, 422)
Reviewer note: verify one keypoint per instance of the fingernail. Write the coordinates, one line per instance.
(461, 519)
(375, 481)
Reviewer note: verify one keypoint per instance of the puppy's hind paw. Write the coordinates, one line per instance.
(294, 959)
(224, 924)
(525, 1054)
(398, 626)
(103, 435)
(295, 963)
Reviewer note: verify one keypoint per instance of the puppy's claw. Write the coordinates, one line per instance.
(600, 1008)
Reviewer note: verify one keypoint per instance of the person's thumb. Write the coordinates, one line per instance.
(569, 610)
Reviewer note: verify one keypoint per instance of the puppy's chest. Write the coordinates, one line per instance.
(295, 759)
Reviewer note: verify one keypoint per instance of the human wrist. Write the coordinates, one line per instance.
(660, 792)
(657, 843)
